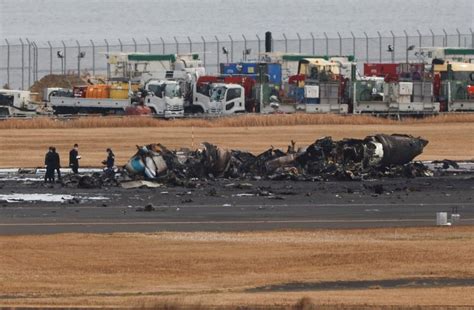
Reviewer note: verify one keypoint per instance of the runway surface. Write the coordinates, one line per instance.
(27, 206)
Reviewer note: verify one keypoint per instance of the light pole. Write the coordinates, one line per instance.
(61, 56)
(245, 53)
(79, 57)
(261, 66)
(226, 53)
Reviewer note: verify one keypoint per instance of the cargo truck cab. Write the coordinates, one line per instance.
(455, 85)
(226, 99)
(217, 98)
(165, 98)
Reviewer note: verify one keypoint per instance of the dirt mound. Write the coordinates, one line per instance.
(56, 80)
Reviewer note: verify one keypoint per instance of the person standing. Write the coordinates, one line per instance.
(57, 163)
(110, 161)
(49, 164)
(74, 159)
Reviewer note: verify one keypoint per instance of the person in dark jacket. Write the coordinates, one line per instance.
(49, 164)
(57, 163)
(110, 161)
(74, 159)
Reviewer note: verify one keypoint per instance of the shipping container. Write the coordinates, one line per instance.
(119, 90)
(272, 71)
(98, 91)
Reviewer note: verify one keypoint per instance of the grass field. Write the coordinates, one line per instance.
(138, 270)
(26, 147)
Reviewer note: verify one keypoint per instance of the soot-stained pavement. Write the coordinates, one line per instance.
(27, 206)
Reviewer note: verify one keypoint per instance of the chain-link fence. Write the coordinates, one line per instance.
(25, 61)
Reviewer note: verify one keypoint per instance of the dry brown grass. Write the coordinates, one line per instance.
(235, 121)
(216, 268)
(26, 147)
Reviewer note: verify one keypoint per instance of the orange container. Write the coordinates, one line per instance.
(98, 91)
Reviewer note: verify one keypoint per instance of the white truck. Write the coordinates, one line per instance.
(16, 103)
(163, 97)
(218, 99)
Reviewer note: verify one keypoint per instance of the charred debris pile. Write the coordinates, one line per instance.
(326, 159)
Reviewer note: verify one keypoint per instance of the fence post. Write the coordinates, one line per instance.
(244, 53)
(459, 37)
(313, 41)
(472, 37)
(50, 58)
(393, 46)
(121, 45)
(22, 64)
(353, 44)
(35, 61)
(93, 57)
(190, 45)
(406, 44)
(204, 48)
(108, 64)
(149, 44)
(327, 44)
(64, 62)
(163, 44)
(231, 49)
(340, 43)
(420, 38)
(177, 45)
(258, 40)
(366, 46)
(29, 62)
(445, 41)
(218, 51)
(286, 43)
(299, 42)
(8, 62)
(78, 58)
(380, 46)
(134, 45)
(432, 38)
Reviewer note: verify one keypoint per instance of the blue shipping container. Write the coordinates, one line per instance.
(249, 68)
(274, 71)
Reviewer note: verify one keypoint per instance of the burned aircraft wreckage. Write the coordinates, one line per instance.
(374, 156)
(326, 159)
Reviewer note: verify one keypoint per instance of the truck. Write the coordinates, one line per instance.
(452, 54)
(394, 89)
(222, 95)
(16, 103)
(162, 97)
(454, 85)
(320, 86)
(154, 81)
(165, 98)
